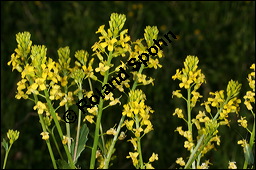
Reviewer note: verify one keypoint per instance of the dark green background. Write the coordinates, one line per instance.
(221, 34)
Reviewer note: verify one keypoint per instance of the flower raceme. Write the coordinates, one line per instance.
(206, 123)
(123, 75)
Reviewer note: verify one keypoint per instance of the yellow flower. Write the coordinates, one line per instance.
(122, 136)
(243, 122)
(188, 145)
(204, 165)
(153, 157)
(32, 89)
(65, 140)
(232, 165)
(134, 143)
(127, 111)
(243, 142)
(41, 107)
(129, 124)
(177, 93)
(137, 131)
(102, 69)
(185, 82)
(114, 102)
(179, 113)
(41, 83)
(111, 131)
(55, 93)
(93, 110)
(148, 166)
(45, 135)
(133, 156)
(180, 161)
(109, 43)
(89, 118)
(12, 135)
(28, 71)
(179, 129)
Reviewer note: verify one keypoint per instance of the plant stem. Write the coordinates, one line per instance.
(67, 124)
(110, 151)
(6, 156)
(138, 143)
(80, 96)
(44, 130)
(53, 114)
(189, 119)
(193, 154)
(48, 142)
(98, 121)
(251, 142)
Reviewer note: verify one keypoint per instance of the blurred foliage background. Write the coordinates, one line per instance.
(221, 34)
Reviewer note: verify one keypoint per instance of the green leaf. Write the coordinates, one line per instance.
(83, 137)
(5, 145)
(62, 164)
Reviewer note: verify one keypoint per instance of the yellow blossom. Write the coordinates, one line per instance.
(243, 122)
(177, 93)
(41, 107)
(65, 140)
(89, 118)
(109, 43)
(114, 102)
(180, 161)
(93, 110)
(134, 143)
(45, 135)
(129, 124)
(12, 135)
(102, 69)
(179, 113)
(122, 136)
(153, 157)
(232, 165)
(111, 131)
(188, 145)
(148, 166)
(133, 156)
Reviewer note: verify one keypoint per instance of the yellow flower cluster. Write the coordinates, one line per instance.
(190, 76)
(188, 135)
(12, 135)
(138, 113)
(250, 95)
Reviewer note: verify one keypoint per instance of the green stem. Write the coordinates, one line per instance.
(80, 96)
(110, 151)
(101, 130)
(48, 142)
(251, 142)
(189, 119)
(67, 124)
(138, 143)
(56, 144)
(44, 130)
(98, 121)
(193, 154)
(6, 156)
(53, 114)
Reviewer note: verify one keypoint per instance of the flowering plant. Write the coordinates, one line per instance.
(109, 77)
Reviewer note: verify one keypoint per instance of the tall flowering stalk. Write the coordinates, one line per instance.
(249, 102)
(205, 122)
